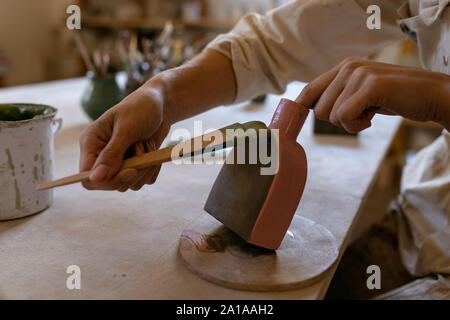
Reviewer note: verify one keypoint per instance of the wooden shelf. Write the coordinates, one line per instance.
(150, 23)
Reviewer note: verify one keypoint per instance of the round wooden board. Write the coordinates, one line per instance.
(216, 254)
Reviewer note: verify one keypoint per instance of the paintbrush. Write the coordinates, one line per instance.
(84, 53)
(213, 141)
(98, 62)
(105, 59)
(165, 34)
(160, 43)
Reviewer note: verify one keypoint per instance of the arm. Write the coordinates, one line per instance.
(350, 94)
(143, 119)
(301, 40)
(260, 55)
(443, 113)
(199, 85)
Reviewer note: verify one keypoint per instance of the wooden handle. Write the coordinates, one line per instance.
(217, 138)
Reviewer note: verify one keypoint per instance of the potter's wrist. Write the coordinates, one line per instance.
(163, 84)
(157, 90)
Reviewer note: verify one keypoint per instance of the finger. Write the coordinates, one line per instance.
(356, 81)
(127, 179)
(385, 112)
(149, 145)
(138, 149)
(149, 178)
(111, 157)
(155, 175)
(121, 179)
(355, 114)
(153, 144)
(369, 113)
(158, 137)
(144, 177)
(87, 160)
(327, 100)
(313, 91)
(90, 146)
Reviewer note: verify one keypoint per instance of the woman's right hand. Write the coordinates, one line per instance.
(143, 119)
(139, 122)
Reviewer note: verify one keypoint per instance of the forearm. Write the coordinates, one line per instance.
(443, 112)
(204, 82)
(285, 45)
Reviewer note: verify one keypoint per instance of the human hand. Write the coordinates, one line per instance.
(140, 122)
(143, 119)
(350, 94)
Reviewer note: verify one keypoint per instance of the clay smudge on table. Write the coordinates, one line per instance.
(215, 242)
(221, 240)
(205, 243)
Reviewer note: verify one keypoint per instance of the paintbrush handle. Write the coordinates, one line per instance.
(84, 53)
(155, 158)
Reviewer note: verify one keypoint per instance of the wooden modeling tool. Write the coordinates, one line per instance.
(253, 215)
(212, 141)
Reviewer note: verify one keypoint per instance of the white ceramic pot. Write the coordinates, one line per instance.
(26, 158)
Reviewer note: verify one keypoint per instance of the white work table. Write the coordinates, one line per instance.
(126, 243)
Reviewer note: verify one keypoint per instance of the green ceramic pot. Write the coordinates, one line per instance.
(100, 94)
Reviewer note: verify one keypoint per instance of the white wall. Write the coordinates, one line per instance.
(26, 36)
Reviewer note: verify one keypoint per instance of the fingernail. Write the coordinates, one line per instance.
(99, 173)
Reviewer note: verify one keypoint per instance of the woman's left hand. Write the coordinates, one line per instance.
(350, 94)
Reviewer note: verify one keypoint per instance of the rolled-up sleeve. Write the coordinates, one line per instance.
(302, 39)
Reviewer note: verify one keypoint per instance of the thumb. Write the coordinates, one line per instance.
(110, 158)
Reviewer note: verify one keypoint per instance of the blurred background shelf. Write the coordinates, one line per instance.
(149, 14)
(36, 45)
(153, 23)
